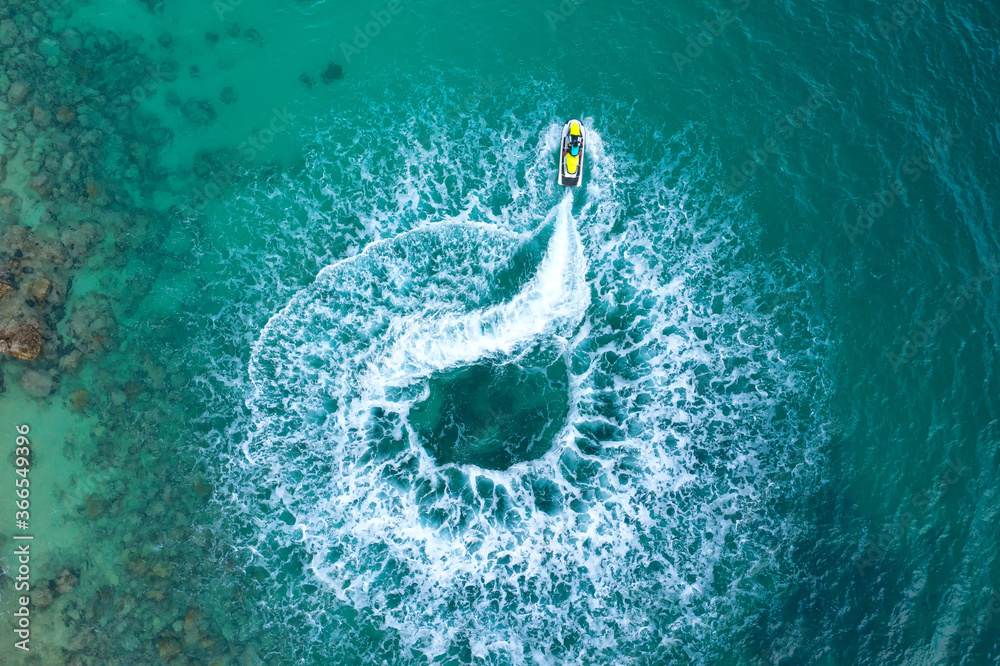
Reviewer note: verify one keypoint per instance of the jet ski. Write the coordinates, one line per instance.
(571, 154)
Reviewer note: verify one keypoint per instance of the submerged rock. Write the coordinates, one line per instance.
(192, 628)
(66, 115)
(66, 581)
(70, 361)
(250, 656)
(18, 92)
(79, 643)
(137, 567)
(40, 289)
(162, 570)
(42, 184)
(42, 596)
(168, 647)
(37, 384)
(23, 342)
(198, 112)
(41, 117)
(216, 165)
(73, 38)
(333, 72)
(91, 324)
(96, 507)
(80, 400)
(228, 95)
(77, 241)
(10, 207)
(9, 32)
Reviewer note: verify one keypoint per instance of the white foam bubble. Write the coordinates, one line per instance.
(607, 543)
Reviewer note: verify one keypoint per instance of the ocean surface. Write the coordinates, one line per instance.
(321, 366)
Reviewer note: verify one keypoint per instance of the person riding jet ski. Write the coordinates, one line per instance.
(571, 154)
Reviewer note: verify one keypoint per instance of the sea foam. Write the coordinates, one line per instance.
(604, 542)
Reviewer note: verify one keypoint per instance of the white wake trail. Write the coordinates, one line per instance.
(552, 303)
(628, 319)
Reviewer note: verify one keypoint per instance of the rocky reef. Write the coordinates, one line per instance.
(79, 162)
(65, 100)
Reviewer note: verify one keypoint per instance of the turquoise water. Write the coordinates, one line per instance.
(332, 371)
